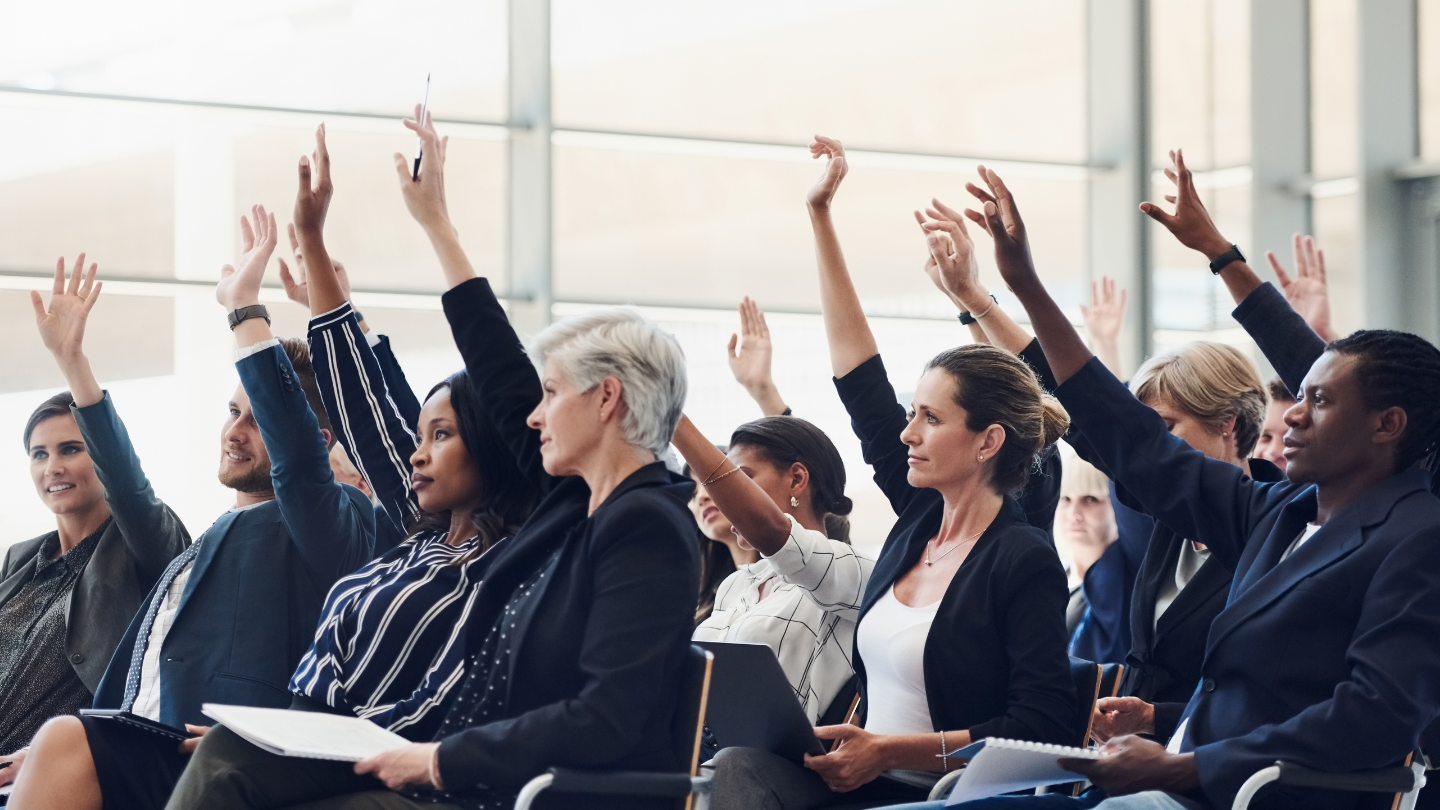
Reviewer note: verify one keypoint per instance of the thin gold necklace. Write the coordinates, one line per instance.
(931, 562)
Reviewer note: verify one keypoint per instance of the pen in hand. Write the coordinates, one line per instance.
(419, 142)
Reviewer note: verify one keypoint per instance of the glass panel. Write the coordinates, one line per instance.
(1332, 89)
(311, 54)
(970, 78)
(689, 230)
(1428, 49)
(1200, 82)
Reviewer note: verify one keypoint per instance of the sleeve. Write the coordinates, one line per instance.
(1289, 343)
(1109, 585)
(501, 370)
(1377, 714)
(399, 387)
(1208, 501)
(1041, 694)
(877, 419)
(364, 413)
(1167, 720)
(631, 652)
(831, 573)
(332, 525)
(153, 532)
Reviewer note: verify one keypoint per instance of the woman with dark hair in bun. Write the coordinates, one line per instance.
(798, 482)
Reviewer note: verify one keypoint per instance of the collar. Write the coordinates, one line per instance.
(1264, 471)
(654, 474)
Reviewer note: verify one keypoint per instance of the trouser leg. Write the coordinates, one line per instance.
(228, 773)
(751, 779)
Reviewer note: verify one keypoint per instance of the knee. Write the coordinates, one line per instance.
(59, 734)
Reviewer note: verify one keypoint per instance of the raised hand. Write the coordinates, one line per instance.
(1307, 291)
(749, 355)
(241, 288)
(952, 265)
(62, 326)
(1000, 218)
(297, 286)
(1191, 223)
(313, 201)
(425, 196)
(1103, 319)
(824, 189)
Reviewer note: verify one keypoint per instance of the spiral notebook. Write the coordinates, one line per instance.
(310, 735)
(1004, 766)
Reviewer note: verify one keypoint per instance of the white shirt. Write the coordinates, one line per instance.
(147, 699)
(808, 616)
(892, 642)
(1305, 534)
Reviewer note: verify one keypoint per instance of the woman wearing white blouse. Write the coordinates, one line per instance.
(805, 613)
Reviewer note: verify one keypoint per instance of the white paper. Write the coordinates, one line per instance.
(1005, 766)
(313, 735)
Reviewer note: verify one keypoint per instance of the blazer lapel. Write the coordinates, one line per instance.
(17, 580)
(1212, 578)
(206, 555)
(1270, 577)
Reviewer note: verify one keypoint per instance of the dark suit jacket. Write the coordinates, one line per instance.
(144, 535)
(595, 676)
(1326, 659)
(994, 660)
(249, 609)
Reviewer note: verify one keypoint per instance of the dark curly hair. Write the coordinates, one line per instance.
(1400, 370)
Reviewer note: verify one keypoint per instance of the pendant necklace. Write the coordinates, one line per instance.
(930, 562)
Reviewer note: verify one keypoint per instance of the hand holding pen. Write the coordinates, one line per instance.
(425, 194)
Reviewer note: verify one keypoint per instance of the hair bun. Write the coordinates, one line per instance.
(842, 506)
(1054, 420)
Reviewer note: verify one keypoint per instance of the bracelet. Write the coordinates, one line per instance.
(435, 770)
(993, 304)
(966, 318)
(718, 465)
(730, 471)
(944, 755)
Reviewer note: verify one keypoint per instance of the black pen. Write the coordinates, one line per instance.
(420, 142)
(4, 765)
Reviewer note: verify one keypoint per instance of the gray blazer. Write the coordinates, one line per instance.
(141, 540)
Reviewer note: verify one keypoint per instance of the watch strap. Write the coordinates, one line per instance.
(243, 314)
(1226, 259)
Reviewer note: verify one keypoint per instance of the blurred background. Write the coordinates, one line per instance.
(652, 152)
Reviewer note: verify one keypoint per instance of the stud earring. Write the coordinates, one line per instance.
(982, 456)
(794, 502)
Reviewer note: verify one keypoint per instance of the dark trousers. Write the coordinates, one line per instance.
(228, 773)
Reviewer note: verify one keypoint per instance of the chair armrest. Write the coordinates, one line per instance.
(1380, 780)
(942, 788)
(627, 783)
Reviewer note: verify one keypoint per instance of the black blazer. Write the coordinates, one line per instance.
(259, 580)
(143, 536)
(595, 676)
(1326, 659)
(995, 660)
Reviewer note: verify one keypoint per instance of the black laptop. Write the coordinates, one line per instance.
(752, 704)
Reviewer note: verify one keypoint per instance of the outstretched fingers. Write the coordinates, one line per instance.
(1279, 269)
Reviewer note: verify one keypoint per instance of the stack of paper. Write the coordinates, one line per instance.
(1005, 766)
(312, 735)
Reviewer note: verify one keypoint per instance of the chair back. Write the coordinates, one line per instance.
(689, 721)
(1092, 682)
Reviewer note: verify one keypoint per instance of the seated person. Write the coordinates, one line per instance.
(793, 477)
(67, 596)
(581, 628)
(1324, 653)
(961, 631)
(1084, 528)
(230, 618)
(1271, 446)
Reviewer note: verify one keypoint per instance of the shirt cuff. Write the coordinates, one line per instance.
(242, 353)
(790, 559)
(373, 339)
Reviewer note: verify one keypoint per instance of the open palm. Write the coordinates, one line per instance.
(62, 325)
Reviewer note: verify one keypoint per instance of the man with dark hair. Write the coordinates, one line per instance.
(231, 617)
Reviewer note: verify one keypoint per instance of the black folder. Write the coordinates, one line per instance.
(136, 721)
(752, 704)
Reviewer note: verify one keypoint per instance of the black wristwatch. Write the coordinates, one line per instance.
(1227, 258)
(243, 314)
(966, 318)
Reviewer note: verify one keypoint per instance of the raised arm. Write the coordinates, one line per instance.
(1208, 501)
(753, 514)
(749, 356)
(1104, 318)
(332, 525)
(1286, 333)
(494, 357)
(153, 533)
(851, 342)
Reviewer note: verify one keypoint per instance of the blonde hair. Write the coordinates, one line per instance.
(1211, 382)
(1079, 475)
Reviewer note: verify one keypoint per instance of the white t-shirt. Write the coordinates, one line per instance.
(891, 639)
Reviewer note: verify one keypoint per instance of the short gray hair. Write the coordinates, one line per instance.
(619, 342)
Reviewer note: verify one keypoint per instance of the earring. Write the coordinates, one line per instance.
(794, 502)
(982, 456)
